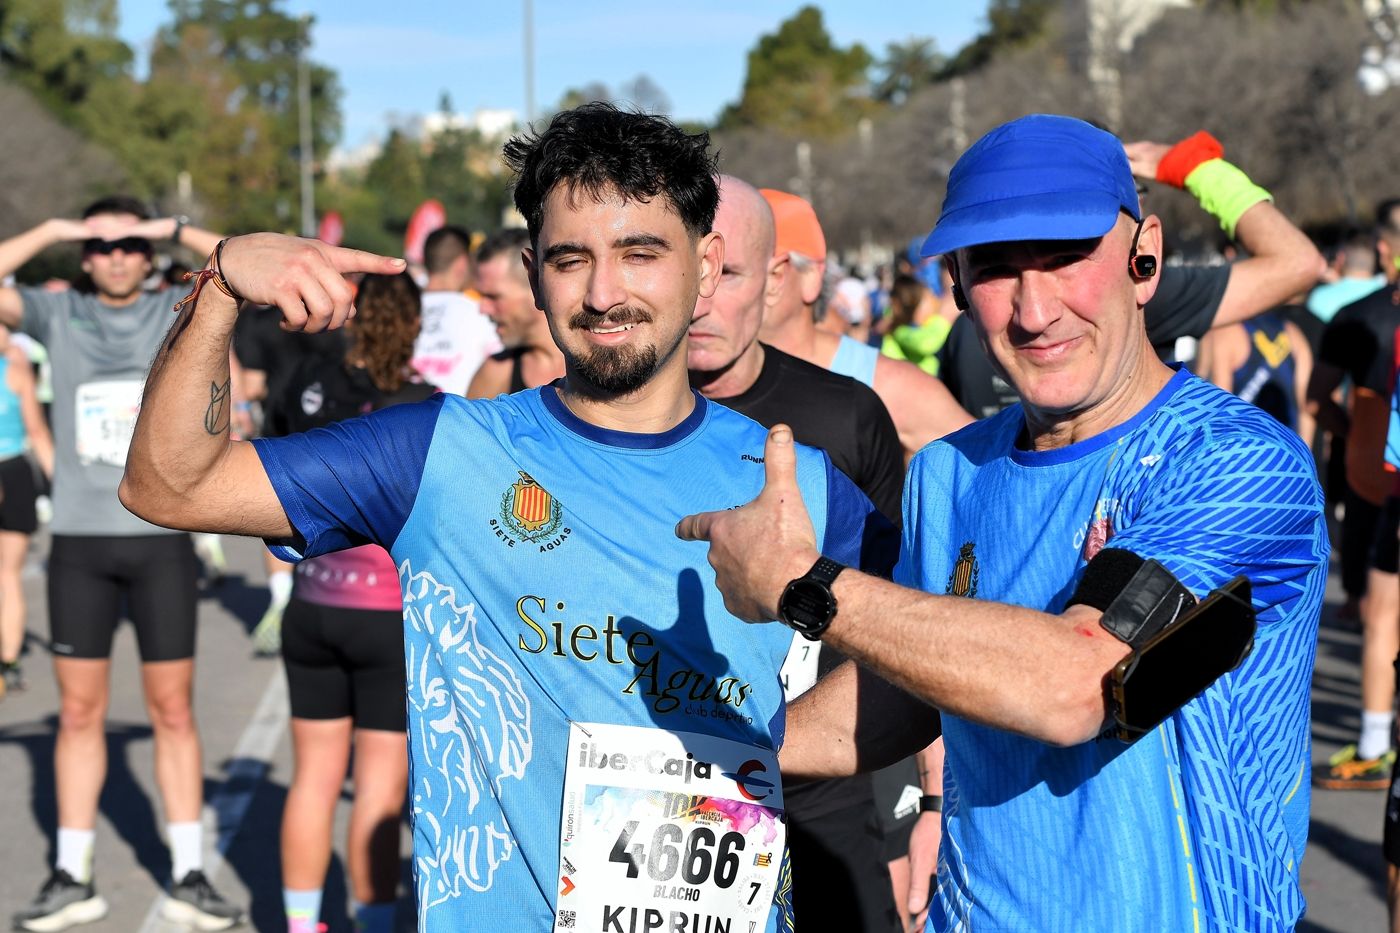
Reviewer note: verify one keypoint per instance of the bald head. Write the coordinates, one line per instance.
(722, 353)
(745, 221)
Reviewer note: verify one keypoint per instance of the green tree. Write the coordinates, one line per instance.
(800, 81)
(906, 67)
(587, 94)
(63, 50)
(222, 102)
(1010, 24)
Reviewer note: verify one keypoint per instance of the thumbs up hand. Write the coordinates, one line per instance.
(758, 548)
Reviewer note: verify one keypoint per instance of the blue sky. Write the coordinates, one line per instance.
(398, 57)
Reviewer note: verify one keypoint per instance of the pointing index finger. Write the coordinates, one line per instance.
(357, 260)
(695, 527)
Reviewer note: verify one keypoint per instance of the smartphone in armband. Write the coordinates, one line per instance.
(1181, 661)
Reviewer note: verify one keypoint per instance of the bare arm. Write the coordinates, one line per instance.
(492, 378)
(921, 406)
(20, 377)
(1302, 374)
(1021, 670)
(852, 721)
(196, 240)
(183, 470)
(21, 248)
(1219, 357)
(1282, 263)
(1282, 260)
(1321, 402)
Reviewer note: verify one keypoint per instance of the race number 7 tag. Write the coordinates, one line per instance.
(106, 418)
(665, 831)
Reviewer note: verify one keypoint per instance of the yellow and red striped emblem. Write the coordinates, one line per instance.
(532, 505)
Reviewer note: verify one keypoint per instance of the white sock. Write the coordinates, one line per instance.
(75, 852)
(1375, 734)
(186, 848)
(279, 584)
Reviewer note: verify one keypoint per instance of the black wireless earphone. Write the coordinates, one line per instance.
(959, 299)
(1141, 267)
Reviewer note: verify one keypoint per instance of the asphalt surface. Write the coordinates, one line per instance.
(241, 708)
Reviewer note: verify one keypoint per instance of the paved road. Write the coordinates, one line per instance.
(242, 708)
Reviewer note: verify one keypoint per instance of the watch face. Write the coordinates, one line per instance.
(807, 605)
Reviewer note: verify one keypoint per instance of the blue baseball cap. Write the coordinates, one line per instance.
(1042, 177)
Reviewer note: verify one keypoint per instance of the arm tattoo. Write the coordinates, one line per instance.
(216, 416)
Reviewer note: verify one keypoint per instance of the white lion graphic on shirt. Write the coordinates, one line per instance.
(472, 719)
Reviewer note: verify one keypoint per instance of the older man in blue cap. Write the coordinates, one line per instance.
(1040, 547)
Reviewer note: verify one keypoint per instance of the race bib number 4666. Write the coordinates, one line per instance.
(666, 831)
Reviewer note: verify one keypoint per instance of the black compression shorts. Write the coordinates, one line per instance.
(345, 662)
(897, 791)
(840, 876)
(92, 578)
(17, 494)
(1385, 547)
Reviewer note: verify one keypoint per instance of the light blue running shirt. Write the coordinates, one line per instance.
(856, 360)
(1201, 824)
(543, 584)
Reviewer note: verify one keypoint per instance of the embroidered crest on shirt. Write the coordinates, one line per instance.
(966, 572)
(1100, 530)
(529, 514)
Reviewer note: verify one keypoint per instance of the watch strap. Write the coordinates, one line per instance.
(825, 570)
(930, 803)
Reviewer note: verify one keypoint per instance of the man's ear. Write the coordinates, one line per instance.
(710, 249)
(532, 272)
(779, 269)
(1149, 243)
(812, 282)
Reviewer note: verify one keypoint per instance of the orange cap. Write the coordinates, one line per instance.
(796, 225)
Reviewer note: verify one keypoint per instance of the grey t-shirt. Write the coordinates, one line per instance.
(99, 355)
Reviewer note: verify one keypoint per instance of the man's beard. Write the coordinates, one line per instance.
(616, 370)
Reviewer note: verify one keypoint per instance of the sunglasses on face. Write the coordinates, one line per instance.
(130, 245)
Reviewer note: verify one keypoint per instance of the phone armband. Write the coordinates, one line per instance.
(1179, 647)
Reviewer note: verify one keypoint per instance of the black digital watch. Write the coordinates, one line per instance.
(807, 605)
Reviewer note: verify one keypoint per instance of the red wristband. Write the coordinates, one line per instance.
(1183, 158)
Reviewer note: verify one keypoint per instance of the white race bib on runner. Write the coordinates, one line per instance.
(106, 417)
(666, 831)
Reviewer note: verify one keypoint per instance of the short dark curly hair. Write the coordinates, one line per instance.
(597, 147)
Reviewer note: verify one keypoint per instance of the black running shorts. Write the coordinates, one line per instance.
(1385, 548)
(840, 876)
(18, 491)
(92, 579)
(345, 662)
(897, 791)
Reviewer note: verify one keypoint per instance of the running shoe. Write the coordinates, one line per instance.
(1345, 771)
(61, 903)
(210, 548)
(193, 902)
(267, 636)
